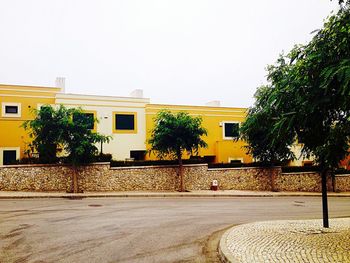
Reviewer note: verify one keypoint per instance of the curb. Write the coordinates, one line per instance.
(224, 254)
(80, 196)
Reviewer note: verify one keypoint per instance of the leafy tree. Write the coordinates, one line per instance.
(268, 145)
(68, 128)
(100, 138)
(308, 98)
(176, 133)
(46, 131)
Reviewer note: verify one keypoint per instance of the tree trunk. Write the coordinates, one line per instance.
(75, 180)
(181, 174)
(324, 174)
(334, 184)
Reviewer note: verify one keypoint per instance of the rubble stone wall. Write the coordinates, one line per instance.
(101, 177)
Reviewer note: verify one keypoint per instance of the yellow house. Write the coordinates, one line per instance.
(222, 124)
(17, 103)
(128, 120)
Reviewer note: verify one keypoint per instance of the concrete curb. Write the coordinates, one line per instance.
(233, 244)
(123, 195)
(224, 254)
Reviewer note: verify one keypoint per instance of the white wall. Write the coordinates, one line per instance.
(122, 144)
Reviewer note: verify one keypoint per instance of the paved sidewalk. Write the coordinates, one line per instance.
(287, 241)
(203, 193)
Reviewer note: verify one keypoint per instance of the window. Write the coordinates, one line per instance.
(138, 155)
(9, 156)
(88, 118)
(11, 109)
(231, 130)
(125, 122)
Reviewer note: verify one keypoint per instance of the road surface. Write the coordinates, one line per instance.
(137, 229)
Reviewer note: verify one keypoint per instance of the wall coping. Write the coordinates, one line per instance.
(48, 165)
(342, 175)
(243, 168)
(156, 166)
(311, 172)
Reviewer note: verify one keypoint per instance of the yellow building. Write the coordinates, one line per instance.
(17, 104)
(222, 124)
(128, 120)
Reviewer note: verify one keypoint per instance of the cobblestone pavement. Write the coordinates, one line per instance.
(289, 241)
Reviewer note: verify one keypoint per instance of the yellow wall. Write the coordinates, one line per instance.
(11, 134)
(212, 117)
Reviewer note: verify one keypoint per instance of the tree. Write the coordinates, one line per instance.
(176, 133)
(308, 99)
(267, 145)
(46, 131)
(103, 139)
(68, 128)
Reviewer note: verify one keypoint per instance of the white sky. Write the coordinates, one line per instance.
(178, 52)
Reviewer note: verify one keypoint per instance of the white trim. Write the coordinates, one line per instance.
(84, 97)
(223, 129)
(27, 96)
(29, 90)
(234, 159)
(197, 108)
(2, 149)
(10, 115)
(209, 115)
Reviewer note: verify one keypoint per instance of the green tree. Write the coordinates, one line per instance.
(176, 133)
(46, 131)
(68, 128)
(265, 144)
(308, 98)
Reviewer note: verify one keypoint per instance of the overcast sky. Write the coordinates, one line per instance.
(178, 52)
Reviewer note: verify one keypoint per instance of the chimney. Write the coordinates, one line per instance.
(137, 93)
(60, 83)
(213, 103)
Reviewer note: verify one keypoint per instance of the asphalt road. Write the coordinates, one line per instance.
(136, 229)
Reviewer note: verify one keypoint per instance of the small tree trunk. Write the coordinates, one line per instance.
(181, 174)
(334, 184)
(324, 174)
(75, 180)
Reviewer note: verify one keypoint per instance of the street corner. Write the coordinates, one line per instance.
(287, 241)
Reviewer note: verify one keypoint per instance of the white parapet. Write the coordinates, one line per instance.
(60, 83)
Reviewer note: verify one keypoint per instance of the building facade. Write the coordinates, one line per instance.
(128, 120)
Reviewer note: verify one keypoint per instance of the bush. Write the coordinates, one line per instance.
(115, 163)
(105, 157)
(236, 164)
(300, 169)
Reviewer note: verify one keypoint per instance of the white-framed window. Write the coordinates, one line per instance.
(8, 155)
(11, 109)
(233, 159)
(230, 130)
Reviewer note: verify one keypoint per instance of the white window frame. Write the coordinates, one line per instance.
(2, 149)
(223, 129)
(10, 115)
(235, 159)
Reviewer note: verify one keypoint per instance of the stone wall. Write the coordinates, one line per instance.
(234, 178)
(305, 182)
(35, 178)
(100, 177)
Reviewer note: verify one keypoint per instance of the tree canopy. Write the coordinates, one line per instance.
(68, 128)
(176, 133)
(307, 99)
